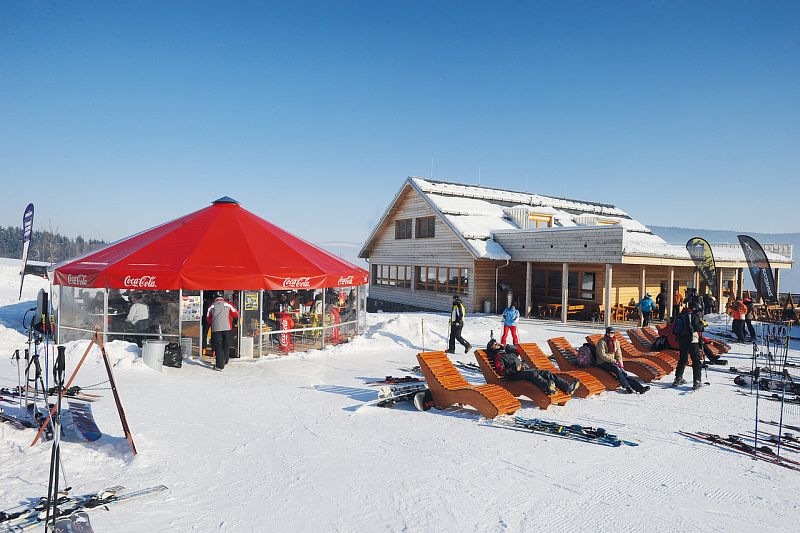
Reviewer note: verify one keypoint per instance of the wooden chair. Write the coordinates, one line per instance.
(650, 332)
(642, 367)
(665, 361)
(720, 345)
(534, 357)
(519, 387)
(567, 359)
(448, 387)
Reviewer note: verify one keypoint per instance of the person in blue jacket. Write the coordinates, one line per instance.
(646, 307)
(510, 318)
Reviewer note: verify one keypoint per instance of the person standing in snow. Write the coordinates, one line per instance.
(646, 306)
(220, 318)
(687, 329)
(510, 318)
(609, 358)
(749, 315)
(677, 300)
(738, 312)
(457, 313)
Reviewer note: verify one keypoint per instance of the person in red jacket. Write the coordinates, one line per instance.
(738, 312)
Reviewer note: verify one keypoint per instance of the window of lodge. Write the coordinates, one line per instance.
(443, 279)
(540, 221)
(546, 284)
(402, 229)
(426, 228)
(392, 275)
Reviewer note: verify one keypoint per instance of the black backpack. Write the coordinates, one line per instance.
(683, 326)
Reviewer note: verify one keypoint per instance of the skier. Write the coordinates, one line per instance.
(609, 358)
(456, 325)
(510, 317)
(686, 329)
(220, 318)
(694, 300)
(677, 300)
(507, 363)
(646, 307)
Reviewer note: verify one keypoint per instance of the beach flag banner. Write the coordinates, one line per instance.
(27, 232)
(760, 269)
(700, 252)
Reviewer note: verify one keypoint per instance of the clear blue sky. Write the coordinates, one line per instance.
(116, 116)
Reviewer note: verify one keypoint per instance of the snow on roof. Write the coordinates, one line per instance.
(477, 212)
(527, 199)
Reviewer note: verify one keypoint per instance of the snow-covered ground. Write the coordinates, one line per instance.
(286, 444)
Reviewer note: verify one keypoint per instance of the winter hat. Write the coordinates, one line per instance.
(648, 295)
(610, 330)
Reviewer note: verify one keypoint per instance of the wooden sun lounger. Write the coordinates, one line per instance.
(642, 367)
(567, 359)
(519, 387)
(640, 346)
(448, 387)
(534, 357)
(650, 332)
(720, 345)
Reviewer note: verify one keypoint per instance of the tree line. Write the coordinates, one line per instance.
(48, 246)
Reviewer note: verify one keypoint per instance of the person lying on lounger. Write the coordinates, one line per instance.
(508, 365)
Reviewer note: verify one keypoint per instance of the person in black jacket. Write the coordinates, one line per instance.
(508, 365)
(687, 328)
(456, 325)
(661, 303)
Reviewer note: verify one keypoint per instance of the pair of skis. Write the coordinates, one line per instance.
(22, 518)
(735, 442)
(577, 432)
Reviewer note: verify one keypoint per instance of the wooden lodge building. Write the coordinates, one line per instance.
(489, 245)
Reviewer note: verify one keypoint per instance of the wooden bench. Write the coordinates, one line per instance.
(448, 387)
(534, 357)
(642, 367)
(519, 387)
(575, 309)
(567, 359)
(666, 361)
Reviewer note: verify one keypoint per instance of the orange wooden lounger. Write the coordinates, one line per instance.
(665, 361)
(519, 387)
(448, 387)
(567, 359)
(650, 332)
(534, 357)
(642, 367)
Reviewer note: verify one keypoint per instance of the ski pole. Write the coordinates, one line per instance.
(19, 377)
(422, 327)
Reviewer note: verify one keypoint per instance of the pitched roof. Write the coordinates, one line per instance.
(474, 213)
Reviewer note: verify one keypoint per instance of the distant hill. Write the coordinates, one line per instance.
(790, 279)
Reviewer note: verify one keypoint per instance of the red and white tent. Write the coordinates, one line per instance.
(220, 247)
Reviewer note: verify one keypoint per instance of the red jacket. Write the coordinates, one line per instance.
(738, 311)
(672, 340)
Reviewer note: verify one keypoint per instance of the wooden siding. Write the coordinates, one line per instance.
(626, 280)
(445, 249)
(571, 245)
(438, 301)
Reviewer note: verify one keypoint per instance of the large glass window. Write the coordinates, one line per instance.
(443, 279)
(402, 229)
(547, 284)
(426, 228)
(392, 275)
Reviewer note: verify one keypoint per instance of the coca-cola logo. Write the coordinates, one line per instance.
(346, 280)
(297, 283)
(142, 282)
(79, 279)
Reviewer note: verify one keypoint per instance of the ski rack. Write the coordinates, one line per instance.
(96, 340)
(775, 350)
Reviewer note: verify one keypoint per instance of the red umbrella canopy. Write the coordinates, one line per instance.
(220, 247)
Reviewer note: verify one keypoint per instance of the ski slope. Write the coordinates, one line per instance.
(285, 444)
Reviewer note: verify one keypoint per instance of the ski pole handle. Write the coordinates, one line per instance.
(60, 365)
